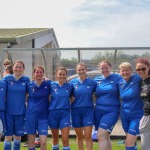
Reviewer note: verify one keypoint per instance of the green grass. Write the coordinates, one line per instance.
(73, 145)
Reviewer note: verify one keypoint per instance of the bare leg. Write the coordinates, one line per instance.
(55, 136)
(80, 137)
(43, 142)
(88, 137)
(130, 140)
(65, 136)
(31, 138)
(104, 140)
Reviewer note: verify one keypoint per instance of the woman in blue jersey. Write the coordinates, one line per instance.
(59, 109)
(107, 104)
(15, 105)
(82, 107)
(37, 108)
(143, 69)
(2, 105)
(131, 104)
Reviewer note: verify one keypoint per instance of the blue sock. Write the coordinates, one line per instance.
(7, 145)
(16, 145)
(31, 148)
(66, 148)
(55, 147)
(130, 148)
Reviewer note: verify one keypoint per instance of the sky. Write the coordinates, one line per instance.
(83, 23)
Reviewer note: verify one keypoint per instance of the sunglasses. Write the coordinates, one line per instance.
(6, 64)
(140, 69)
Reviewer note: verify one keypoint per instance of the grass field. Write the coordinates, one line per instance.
(73, 145)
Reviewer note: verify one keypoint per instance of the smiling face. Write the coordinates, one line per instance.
(81, 71)
(61, 76)
(105, 68)
(142, 69)
(18, 69)
(125, 73)
(38, 73)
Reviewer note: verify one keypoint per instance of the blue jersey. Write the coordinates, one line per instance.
(60, 96)
(107, 93)
(2, 95)
(38, 100)
(16, 94)
(130, 95)
(82, 91)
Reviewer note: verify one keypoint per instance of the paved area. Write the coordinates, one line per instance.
(118, 129)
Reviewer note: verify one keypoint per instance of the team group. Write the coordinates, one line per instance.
(32, 106)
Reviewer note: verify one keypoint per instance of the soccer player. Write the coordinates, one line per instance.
(82, 110)
(15, 105)
(107, 104)
(2, 105)
(8, 70)
(6, 62)
(143, 69)
(59, 109)
(132, 105)
(37, 108)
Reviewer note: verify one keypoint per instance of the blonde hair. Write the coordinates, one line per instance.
(126, 65)
(7, 62)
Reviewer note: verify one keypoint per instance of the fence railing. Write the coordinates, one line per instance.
(50, 59)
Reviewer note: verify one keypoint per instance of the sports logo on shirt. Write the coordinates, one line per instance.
(122, 84)
(76, 86)
(88, 87)
(111, 81)
(45, 87)
(99, 82)
(2, 89)
(23, 84)
(104, 124)
(67, 91)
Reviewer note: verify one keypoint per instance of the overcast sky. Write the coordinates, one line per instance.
(83, 23)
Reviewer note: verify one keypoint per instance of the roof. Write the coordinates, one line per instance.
(18, 35)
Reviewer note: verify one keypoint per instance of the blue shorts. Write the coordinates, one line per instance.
(41, 126)
(59, 119)
(2, 118)
(105, 120)
(82, 117)
(130, 123)
(14, 125)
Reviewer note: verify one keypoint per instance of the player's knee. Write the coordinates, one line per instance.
(88, 138)
(102, 136)
(80, 138)
(129, 142)
(65, 141)
(43, 143)
(55, 140)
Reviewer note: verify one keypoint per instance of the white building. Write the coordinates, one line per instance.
(27, 38)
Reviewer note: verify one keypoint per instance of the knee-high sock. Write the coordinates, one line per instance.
(55, 147)
(16, 145)
(66, 148)
(7, 145)
(130, 148)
